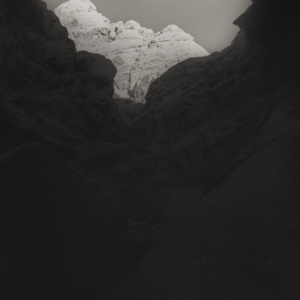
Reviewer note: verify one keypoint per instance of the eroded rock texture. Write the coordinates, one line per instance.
(229, 123)
(265, 181)
(66, 212)
(79, 187)
(134, 173)
(201, 112)
(139, 54)
(44, 91)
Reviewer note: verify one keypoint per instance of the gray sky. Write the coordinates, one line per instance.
(208, 21)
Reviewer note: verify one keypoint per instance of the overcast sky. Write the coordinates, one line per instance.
(208, 21)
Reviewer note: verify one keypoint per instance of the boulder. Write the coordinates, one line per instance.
(96, 67)
(264, 182)
(139, 54)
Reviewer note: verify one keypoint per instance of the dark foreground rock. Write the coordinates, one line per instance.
(265, 183)
(228, 123)
(200, 113)
(133, 173)
(204, 254)
(62, 235)
(77, 194)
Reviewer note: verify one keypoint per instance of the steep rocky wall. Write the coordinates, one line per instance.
(48, 88)
(201, 112)
(69, 195)
(265, 184)
(139, 54)
(229, 123)
(71, 190)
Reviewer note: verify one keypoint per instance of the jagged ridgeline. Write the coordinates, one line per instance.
(139, 54)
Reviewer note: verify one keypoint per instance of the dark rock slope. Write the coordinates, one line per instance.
(71, 190)
(201, 113)
(265, 185)
(79, 187)
(229, 123)
(47, 87)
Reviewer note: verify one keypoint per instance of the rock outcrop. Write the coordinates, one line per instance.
(229, 123)
(82, 191)
(139, 54)
(69, 195)
(201, 113)
(264, 184)
(44, 91)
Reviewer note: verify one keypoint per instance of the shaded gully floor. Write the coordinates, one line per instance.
(207, 255)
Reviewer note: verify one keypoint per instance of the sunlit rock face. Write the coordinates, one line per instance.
(229, 123)
(139, 54)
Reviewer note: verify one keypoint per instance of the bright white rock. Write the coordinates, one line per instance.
(139, 54)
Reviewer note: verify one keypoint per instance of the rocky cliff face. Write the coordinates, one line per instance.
(139, 54)
(49, 88)
(80, 188)
(264, 182)
(228, 123)
(201, 112)
(68, 188)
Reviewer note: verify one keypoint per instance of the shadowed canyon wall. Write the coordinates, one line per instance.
(228, 123)
(82, 190)
(70, 189)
